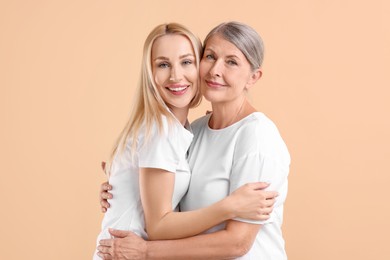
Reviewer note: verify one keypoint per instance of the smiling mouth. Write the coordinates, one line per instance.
(178, 90)
(213, 84)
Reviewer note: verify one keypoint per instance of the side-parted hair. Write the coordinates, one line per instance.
(244, 37)
(148, 105)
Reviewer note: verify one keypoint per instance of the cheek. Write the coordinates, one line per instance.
(238, 84)
(160, 77)
(159, 81)
(203, 69)
(194, 75)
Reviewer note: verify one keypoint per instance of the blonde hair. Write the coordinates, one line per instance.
(148, 105)
(244, 37)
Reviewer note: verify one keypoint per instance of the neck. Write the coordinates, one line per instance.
(181, 114)
(228, 113)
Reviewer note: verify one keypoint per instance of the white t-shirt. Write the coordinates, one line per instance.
(166, 150)
(223, 160)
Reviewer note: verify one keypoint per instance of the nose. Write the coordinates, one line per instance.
(176, 74)
(216, 69)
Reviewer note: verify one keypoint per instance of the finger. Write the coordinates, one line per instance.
(106, 243)
(104, 256)
(105, 186)
(105, 195)
(267, 211)
(269, 202)
(271, 194)
(264, 217)
(104, 204)
(258, 185)
(103, 209)
(119, 233)
(104, 249)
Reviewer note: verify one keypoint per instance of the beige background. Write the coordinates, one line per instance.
(67, 74)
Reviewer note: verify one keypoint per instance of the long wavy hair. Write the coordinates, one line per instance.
(148, 105)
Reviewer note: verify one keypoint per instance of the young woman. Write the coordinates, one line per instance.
(232, 146)
(149, 171)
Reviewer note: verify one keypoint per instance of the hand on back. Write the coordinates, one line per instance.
(105, 187)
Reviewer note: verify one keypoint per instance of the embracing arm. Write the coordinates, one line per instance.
(232, 242)
(156, 187)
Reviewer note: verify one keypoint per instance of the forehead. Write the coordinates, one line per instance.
(219, 44)
(172, 45)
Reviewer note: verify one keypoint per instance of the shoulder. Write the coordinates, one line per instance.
(259, 134)
(164, 128)
(260, 121)
(167, 127)
(200, 123)
(168, 135)
(257, 126)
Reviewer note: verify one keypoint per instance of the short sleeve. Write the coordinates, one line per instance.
(256, 167)
(162, 150)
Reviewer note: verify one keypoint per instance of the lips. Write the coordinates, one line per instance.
(177, 89)
(214, 84)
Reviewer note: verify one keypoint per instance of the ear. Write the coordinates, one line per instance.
(254, 77)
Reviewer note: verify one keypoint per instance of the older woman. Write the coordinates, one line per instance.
(232, 146)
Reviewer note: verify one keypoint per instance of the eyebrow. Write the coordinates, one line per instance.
(232, 56)
(186, 55)
(180, 57)
(228, 56)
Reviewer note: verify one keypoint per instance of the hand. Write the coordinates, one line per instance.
(251, 201)
(104, 194)
(124, 245)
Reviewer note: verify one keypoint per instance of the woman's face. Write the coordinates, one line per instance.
(224, 71)
(174, 70)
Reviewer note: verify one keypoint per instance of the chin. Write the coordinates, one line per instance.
(212, 98)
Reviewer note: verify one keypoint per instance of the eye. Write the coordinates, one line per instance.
(232, 62)
(209, 57)
(163, 65)
(187, 62)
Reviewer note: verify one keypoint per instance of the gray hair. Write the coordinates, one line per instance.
(244, 37)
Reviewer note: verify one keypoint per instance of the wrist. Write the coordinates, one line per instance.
(228, 208)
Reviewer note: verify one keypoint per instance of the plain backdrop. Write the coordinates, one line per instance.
(68, 71)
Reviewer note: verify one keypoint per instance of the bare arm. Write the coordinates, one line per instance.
(232, 242)
(156, 187)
